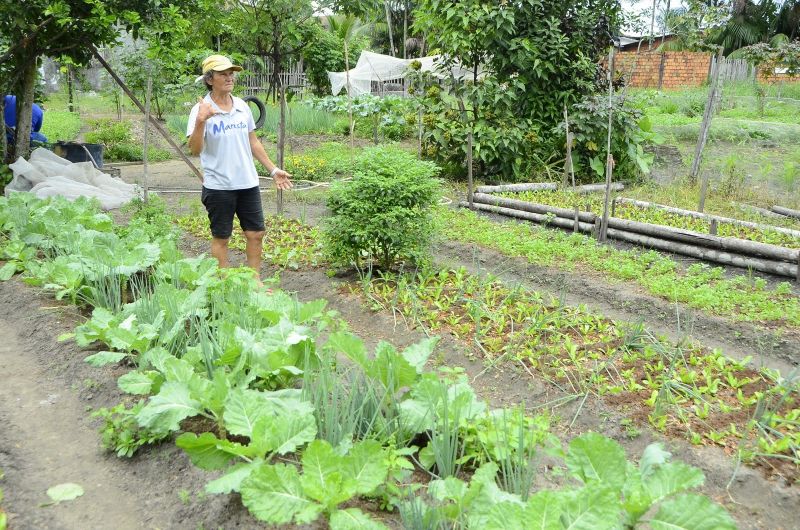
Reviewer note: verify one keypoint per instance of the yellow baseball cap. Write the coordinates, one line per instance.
(219, 63)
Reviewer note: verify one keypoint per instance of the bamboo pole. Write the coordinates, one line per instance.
(533, 207)
(726, 258)
(470, 182)
(732, 244)
(351, 122)
(281, 141)
(569, 168)
(719, 218)
(155, 123)
(788, 212)
(593, 188)
(760, 211)
(514, 188)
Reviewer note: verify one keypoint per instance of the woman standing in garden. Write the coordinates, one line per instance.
(222, 131)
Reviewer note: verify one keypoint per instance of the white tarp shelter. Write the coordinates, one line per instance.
(373, 66)
(46, 174)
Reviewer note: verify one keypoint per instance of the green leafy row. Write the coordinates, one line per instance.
(699, 286)
(685, 389)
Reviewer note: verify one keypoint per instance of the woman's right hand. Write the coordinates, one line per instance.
(205, 111)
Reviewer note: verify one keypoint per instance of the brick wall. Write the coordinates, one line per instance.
(773, 78)
(680, 69)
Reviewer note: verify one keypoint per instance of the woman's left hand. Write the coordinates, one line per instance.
(282, 181)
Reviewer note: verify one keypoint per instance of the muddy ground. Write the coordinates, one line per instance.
(48, 437)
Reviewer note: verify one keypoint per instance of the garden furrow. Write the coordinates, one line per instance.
(47, 442)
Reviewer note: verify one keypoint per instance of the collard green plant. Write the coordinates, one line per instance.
(614, 494)
(383, 215)
(280, 494)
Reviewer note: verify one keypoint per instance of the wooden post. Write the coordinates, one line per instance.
(470, 184)
(155, 123)
(597, 227)
(281, 140)
(576, 227)
(419, 132)
(704, 128)
(349, 104)
(609, 156)
(713, 228)
(613, 206)
(568, 166)
(145, 145)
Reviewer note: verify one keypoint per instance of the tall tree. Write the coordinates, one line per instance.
(60, 28)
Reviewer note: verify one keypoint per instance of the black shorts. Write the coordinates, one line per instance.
(221, 206)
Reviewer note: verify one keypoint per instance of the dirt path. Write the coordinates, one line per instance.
(45, 442)
(47, 437)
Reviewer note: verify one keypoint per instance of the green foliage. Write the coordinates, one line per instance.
(630, 131)
(325, 53)
(278, 494)
(68, 491)
(390, 116)
(5, 176)
(326, 162)
(614, 494)
(121, 432)
(537, 57)
(768, 56)
(119, 141)
(384, 214)
(702, 287)
(61, 125)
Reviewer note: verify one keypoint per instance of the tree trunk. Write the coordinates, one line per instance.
(389, 26)
(3, 143)
(25, 110)
(70, 89)
(281, 134)
(786, 211)
(405, 29)
(514, 188)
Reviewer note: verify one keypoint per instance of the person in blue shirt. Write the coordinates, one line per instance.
(10, 118)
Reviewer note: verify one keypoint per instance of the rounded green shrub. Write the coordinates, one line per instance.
(383, 215)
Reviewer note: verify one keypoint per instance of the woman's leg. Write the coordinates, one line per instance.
(251, 217)
(220, 205)
(219, 249)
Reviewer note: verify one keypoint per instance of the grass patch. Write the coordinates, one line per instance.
(700, 286)
(327, 162)
(61, 125)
